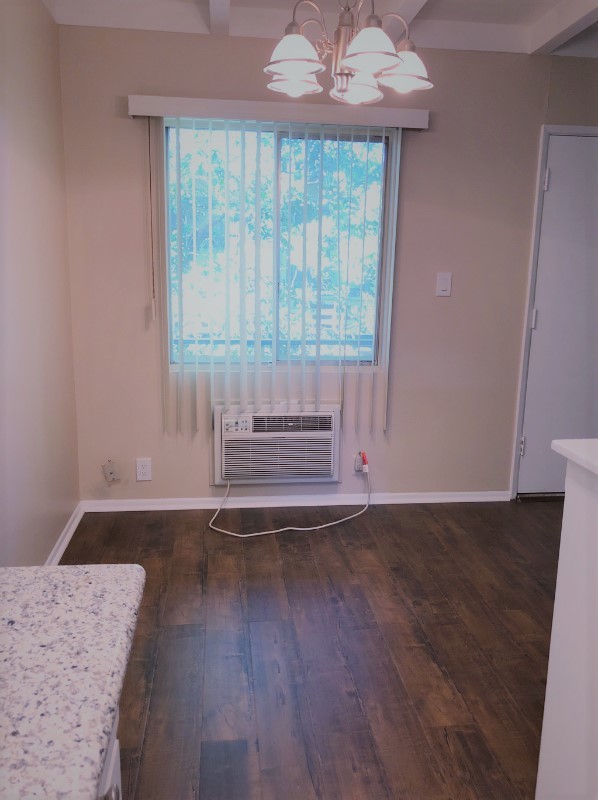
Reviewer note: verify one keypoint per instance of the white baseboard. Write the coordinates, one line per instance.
(65, 536)
(440, 497)
(289, 501)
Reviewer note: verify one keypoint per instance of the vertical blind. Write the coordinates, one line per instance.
(280, 252)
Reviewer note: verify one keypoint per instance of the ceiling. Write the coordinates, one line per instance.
(564, 27)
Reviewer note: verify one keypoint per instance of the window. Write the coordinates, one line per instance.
(276, 245)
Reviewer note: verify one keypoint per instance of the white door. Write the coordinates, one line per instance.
(561, 396)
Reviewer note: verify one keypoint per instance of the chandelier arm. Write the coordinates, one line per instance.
(358, 12)
(400, 18)
(323, 46)
(320, 21)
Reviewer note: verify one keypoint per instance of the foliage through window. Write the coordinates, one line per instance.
(275, 241)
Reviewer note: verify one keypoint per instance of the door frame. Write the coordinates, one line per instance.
(546, 132)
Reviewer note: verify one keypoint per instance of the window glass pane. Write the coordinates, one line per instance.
(332, 193)
(291, 217)
(205, 186)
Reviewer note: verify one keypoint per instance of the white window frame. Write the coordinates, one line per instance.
(387, 259)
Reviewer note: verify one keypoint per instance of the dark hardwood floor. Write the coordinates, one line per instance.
(401, 655)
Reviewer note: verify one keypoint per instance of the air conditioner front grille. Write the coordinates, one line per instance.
(263, 459)
(292, 423)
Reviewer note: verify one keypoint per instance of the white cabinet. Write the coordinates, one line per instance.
(568, 768)
(110, 776)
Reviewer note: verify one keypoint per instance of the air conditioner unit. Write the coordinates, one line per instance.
(276, 447)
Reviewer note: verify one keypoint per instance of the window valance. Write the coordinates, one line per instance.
(266, 111)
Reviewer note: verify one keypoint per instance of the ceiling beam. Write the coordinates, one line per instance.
(411, 8)
(560, 24)
(150, 15)
(474, 36)
(408, 9)
(220, 17)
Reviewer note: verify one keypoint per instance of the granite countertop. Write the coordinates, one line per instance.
(65, 637)
(581, 451)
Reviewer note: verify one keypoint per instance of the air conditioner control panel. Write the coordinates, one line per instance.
(240, 424)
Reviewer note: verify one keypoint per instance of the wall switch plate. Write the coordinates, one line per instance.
(444, 284)
(144, 469)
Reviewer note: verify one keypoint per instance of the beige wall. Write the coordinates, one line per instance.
(39, 476)
(466, 201)
(573, 91)
(467, 195)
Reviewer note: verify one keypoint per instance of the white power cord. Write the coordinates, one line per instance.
(290, 527)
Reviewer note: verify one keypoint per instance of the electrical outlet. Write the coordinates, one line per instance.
(358, 463)
(109, 470)
(144, 469)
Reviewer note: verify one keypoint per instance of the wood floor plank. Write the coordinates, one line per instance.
(91, 539)
(469, 765)
(188, 551)
(335, 705)
(500, 579)
(411, 770)
(354, 771)
(228, 710)
(536, 549)
(509, 660)
(184, 604)
(229, 731)
(137, 688)
(266, 593)
(495, 712)
(136, 692)
(342, 589)
(313, 622)
(184, 601)
(349, 763)
(277, 673)
(170, 760)
(227, 771)
(129, 770)
(433, 694)
(296, 545)
(224, 553)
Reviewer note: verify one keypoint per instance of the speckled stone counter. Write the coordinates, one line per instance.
(65, 637)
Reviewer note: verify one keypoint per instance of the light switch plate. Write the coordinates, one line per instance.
(444, 284)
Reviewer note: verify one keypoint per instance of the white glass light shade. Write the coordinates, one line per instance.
(370, 51)
(295, 87)
(409, 75)
(294, 57)
(363, 89)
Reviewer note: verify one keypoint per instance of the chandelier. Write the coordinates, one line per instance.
(363, 58)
